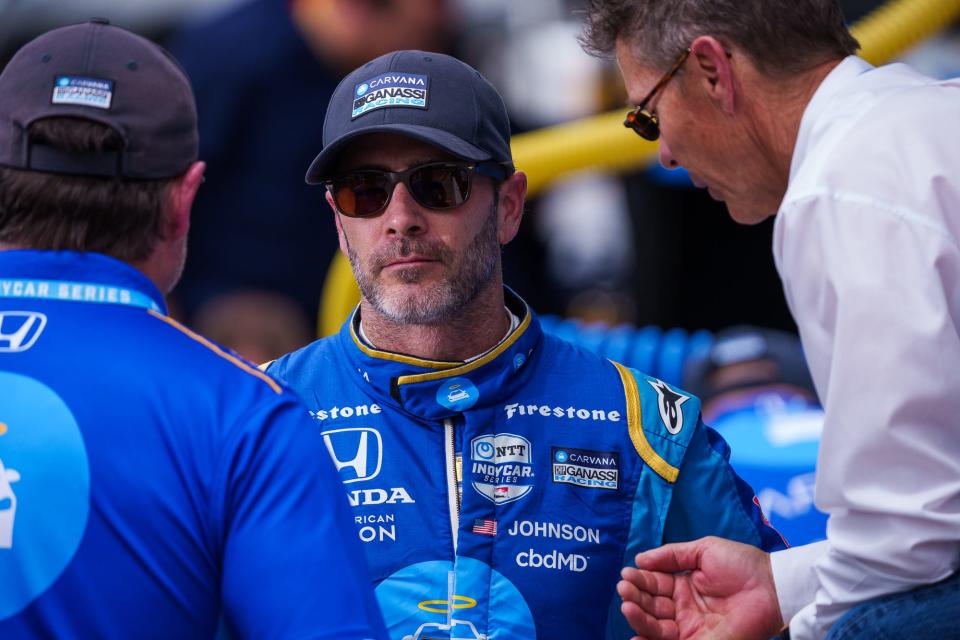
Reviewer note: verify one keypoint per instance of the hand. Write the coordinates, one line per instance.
(711, 588)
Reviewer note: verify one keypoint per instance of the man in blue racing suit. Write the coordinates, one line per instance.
(499, 477)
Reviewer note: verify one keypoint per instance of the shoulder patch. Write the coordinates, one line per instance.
(669, 402)
(240, 364)
(635, 426)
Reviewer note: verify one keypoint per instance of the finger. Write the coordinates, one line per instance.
(659, 607)
(646, 626)
(654, 583)
(671, 558)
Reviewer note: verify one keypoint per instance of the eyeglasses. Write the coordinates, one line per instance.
(366, 193)
(645, 123)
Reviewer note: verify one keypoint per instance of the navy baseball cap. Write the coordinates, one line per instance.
(431, 97)
(96, 71)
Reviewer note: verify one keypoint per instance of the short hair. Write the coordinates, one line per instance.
(118, 217)
(781, 37)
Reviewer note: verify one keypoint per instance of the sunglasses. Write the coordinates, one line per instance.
(436, 185)
(645, 123)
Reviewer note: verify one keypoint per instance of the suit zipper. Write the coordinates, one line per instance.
(453, 495)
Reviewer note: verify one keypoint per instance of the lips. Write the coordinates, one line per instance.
(409, 261)
(409, 252)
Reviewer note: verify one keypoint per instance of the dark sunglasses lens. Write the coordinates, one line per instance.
(362, 193)
(644, 124)
(440, 186)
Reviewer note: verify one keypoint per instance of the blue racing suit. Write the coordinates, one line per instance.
(499, 498)
(152, 484)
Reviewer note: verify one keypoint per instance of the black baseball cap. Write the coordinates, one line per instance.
(431, 97)
(96, 71)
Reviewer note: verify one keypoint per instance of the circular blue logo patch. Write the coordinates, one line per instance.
(416, 603)
(518, 361)
(561, 456)
(44, 489)
(362, 89)
(484, 450)
(458, 394)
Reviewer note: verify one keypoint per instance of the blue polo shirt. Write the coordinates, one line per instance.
(153, 484)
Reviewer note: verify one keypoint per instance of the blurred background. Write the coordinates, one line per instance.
(636, 264)
(641, 247)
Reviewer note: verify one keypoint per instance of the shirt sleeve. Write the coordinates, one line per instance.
(292, 563)
(710, 499)
(875, 293)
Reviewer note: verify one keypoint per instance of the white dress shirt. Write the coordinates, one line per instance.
(867, 243)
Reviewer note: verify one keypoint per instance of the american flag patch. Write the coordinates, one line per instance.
(485, 527)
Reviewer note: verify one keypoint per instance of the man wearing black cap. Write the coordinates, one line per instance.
(483, 459)
(151, 484)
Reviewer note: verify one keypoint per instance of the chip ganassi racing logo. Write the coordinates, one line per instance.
(501, 468)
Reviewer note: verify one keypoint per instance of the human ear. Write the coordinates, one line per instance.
(513, 192)
(341, 237)
(715, 72)
(182, 195)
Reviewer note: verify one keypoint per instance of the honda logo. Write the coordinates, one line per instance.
(19, 330)
(357, 452)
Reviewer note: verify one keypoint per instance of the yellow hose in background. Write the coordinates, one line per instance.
(602, 143)
(896, 26)
(599, 142)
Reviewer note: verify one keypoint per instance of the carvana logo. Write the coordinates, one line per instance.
(435, 600)
(458, 394)
(561, 456)
(362, 88)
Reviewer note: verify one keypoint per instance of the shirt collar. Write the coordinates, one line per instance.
(835, 83)
(70, 269)
(434, 389)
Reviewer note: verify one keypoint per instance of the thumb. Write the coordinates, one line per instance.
(671, 558)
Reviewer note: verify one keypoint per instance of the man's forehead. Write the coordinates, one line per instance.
(391, 150)
(637, 76)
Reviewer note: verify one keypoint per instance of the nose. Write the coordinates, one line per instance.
(666, 158)
(403, 215)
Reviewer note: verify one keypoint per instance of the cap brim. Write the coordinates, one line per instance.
(321, 165)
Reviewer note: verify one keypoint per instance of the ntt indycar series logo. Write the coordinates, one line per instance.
(392, 89)
(586, 468)
(502, 467)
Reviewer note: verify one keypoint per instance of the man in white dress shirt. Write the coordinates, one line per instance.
(764, 103)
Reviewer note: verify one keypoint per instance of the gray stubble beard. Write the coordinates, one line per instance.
(442, 301)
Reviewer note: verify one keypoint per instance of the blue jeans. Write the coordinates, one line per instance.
(931, 611)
